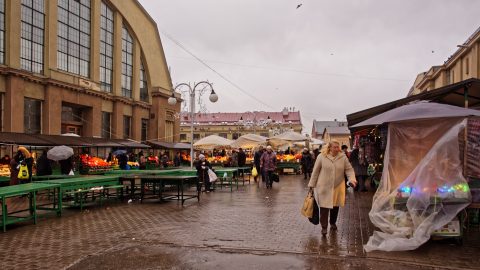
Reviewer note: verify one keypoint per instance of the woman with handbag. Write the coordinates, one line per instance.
(202, 171)
(328, 183)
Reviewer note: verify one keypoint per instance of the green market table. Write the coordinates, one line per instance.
(84, 183)
(289, 167)
(51, 177)
(162, 180)
(243, 171)
(31, 190)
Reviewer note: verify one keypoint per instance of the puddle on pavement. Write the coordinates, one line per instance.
(167, 257)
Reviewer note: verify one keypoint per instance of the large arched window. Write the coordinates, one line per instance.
(106, 48)
(32, 37)
(2, 31)
(143, 84)
(74, 36)
(127, 63)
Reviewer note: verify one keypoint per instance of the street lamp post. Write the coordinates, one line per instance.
(192, 93)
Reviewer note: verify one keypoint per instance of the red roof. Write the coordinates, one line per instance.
(235, 118)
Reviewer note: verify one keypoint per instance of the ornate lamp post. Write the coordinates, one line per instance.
(191, 92)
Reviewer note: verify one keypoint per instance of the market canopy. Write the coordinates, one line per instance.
(417, 111)
(288, 137)
(168, 145)
(249, 141)
(212, 142)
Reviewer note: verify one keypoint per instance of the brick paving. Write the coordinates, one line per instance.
(252, 220)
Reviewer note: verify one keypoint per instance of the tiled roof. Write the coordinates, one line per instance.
(234, 118)
(319, 126)
(337, 130)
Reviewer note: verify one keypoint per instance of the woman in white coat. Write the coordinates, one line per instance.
(328, 183)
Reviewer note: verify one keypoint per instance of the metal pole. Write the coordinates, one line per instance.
(192, 115)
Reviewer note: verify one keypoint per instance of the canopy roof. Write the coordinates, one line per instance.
(168, 145)
(211, 142)
(416, 111)
(249, 141)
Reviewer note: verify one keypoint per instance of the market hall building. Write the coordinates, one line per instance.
(95, 68)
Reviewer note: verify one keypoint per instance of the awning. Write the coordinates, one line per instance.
(168, 145)
(454, 94)
(22, 139)
(131, 144)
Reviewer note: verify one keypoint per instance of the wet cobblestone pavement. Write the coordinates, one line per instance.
(253, 228)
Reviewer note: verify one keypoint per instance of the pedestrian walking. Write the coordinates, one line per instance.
(256, 161)
(307, 163)
(15, 168)
(328, 183)
(268, 166)
(177, 160)
(26, 160)
(44, 165)
(234, 162)
(242, 158)
(202, 167)
(360, 166)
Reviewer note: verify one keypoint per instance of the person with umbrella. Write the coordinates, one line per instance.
(63, 154)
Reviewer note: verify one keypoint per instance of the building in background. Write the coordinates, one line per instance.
(89, 67)
(340, 134)
(462, 65)
(318, 127)
(234, 125)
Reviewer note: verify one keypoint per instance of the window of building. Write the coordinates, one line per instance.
(106, 125)
(448, 76)
(224, 135)
(106, 48)
(74, 36)
(72, 119)
(32, 37)
(183, 137)
(236, 136)
(169, 131)
(127, 63)
(467, 66)
(143, 84)
(127, 127)
(196, 136)
(2, 31)
(32, 116)
(144, 129)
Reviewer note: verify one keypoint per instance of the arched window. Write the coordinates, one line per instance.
(127, 63)
(74, 36)
(143, 84)
(106, 48)
(32, 37)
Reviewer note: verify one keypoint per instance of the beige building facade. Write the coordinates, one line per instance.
(234, 125)
(340, 134)
(462, 65)
(91, 67)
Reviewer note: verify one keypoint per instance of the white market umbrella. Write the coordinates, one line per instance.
(316, 142)
(288, 137)
(212, 142)
(417, 111)
(61, 152)
(249, 141)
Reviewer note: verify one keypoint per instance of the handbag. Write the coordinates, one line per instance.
(315, 219)
(275, 177)
(23, 172)
(307, 208)
(254, 172)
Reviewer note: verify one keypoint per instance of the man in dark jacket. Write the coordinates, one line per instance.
(123, 161)
(307, 164)
(44, 166)
(177, 161)
(66, 166)
(242, 158)
(256, 161)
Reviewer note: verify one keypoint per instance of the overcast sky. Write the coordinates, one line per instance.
(326, 58)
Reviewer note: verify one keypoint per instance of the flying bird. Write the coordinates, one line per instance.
(299, 5)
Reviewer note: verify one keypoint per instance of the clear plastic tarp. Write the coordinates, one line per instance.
(422, 187)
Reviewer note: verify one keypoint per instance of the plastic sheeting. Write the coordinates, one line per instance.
(422, 186)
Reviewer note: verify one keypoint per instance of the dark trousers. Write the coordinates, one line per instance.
(267, 177)
(307, 172)
(324, 216)
(361, 182)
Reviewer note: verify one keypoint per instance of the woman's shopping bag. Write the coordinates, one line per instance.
(212, 175)
(23, 172)
(254, 172)
(307, 208)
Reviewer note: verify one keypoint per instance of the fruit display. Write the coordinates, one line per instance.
(218, 160)
(186, 158)
(94, 165)
(288, 158)
(4, 170)
(153, 159)
(133, 165)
